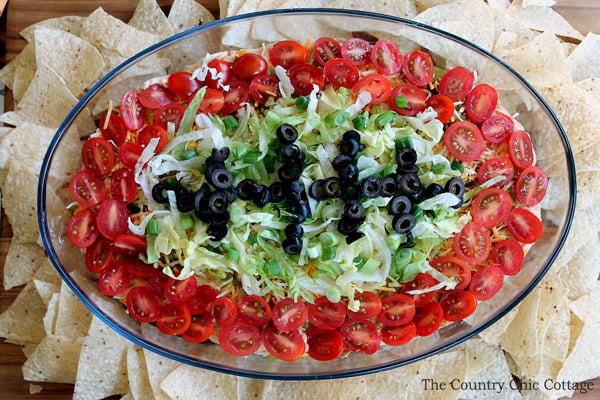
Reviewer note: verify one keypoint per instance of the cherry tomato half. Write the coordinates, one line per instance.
(249, 65)
(421, 281)
(531, 186)
(490, 207)
(357, 51)
(458, 305)
(87, 189)
(156, 96)
(369, 306)
(137, 267)
(486, 282)
(398, 335)
(414, 99)
(98, 156)
(254, 310)
(114, 279)
(236, 95)
(198, 303)
(151, 132)
(387, 57)
(397, 309)
(112, 218)
(521, 149)
(418, 67)
(304, 76)
(472, 244)
(240, 338)
(212, 102)
(173, 319)
(99, 255)
(456, 83)
(443, 106)
(361, 336)
(428, 318)
(222, 311)
(219, 73)
(508, 256)
(115, 131)
(455, 269)
(129, 153)
(130, 245)
(287, 53)
(481, 103)
(82, 228)
(497, 128)
(495, 167)
(170, 113)
(325, 49)
(142, 304)
(341, 73)
(524, 225)
(324, 313)
(264, 87)
(378, 85)
(324, 344)
(286, 345)
(183, 84)
(201, 328)
(464, 141)
(123, 185)
(288, 314)
(131, 110)
(178, 291)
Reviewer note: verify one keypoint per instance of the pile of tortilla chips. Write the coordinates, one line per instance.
(550, 342)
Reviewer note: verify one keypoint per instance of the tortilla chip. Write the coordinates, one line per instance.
(149, 17)
(422, 5)
(68, 23)
(401, 381)
(459, 361)
(49, 320)
(26, 138)
(334, 389)
(584, 61)
(398, 8)
(46, 290)
(73, 319)
(591, 86)
(22, 261)
(249, 388)
(497, 371)
(187, 14)
(223, 5)
(137, 373)
(480, 354)
(19, 193)
(54, 360)
(541, 3)
(21, 81)
(581, 273)
(48, 274)
(521, 335)
(25, 59)
(212, 385)
(510, 33)
(556, 343)
(21, 323)
(233, 8)
(159, 368)
(583, 362)
(544, 19)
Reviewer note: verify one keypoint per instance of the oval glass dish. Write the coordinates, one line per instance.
(62, 161)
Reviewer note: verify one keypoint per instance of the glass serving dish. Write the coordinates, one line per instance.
(250, 31)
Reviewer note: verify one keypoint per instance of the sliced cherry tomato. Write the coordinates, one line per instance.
(178, 291)
(325, 49)
(131, 110)
(387, 57)
(170, 113)
(398, 335)
(287, 53)
(115, 131)
(87, 189)
(289, 314)
(156, 96)
(286, 345)
(304, 76)
(490, 207)
(464, 141)
(397, 309)
(157, 283)
(455, 269)
(341, 73)
(263, 87)
(198, 303)
(369, 305)
(201, 328)
(130, 245)
(235, 96)
(508, 255)
(521, 149)
(443, 106)
(183, 84)
(524, 225)
(472, 243)
(137, 267)
(408, 99)
(122, 185)
(129, 153)
(249, 65)
(378, 85)
(421, 281)
(222, 311)
(254, 310)
(497, 128)
(98, 156)
(99, 255)
(361, 336)
(495, 167)
(142, 304)
(82, 229)
(458, 305)
(173, 319)
(428, 318)
(418, 68)
(531, 186)
(357, 51)
(456, 83)
(481, 103)
(486, 282)
(212, 102)
(219, 73)
(240, 338)
(114, 279)
(324, 313)
(324, 344)
(150, 132)
(112, 218)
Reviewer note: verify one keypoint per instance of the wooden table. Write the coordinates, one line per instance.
(582, 14)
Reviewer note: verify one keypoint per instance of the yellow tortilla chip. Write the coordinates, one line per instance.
(186, 14)
(55, 359)
(73, 318)
(149, 17)
(521, 336)
(21, 263)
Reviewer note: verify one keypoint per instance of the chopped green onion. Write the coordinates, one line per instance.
(370, 266)
(214, 249)
(272, 268)
(438, 168)
(401, 102)
(313, 251)
(186, 155)
(360, 121)
(231, 124)
(302, 102)
(457, 166)
(251, 157)
(329, 239)
(385, 118)
(336, 118)
(359, 262)
(404, 142)
(417, 212)
(152, 227)
(269, 162)
(189, 115)
(232, 254)
(172, 182)
(329, 253)
(333, 295)
(252, 238)
(186, 221)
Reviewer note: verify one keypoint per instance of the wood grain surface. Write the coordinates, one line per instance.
(582, 14)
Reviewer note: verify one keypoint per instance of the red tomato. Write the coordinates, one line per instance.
(289, 314)
(254, 310)
(304, 76)
(198, 303)
(157, 283)
(235, 96)
(287, 53)
(378, 85)
(129, 153)
(150, 132)
(324, 313)
(495, 167)
(369, 306)
(455, 269)
(249, 65)
(142, 304)
(398, 335)
(98, 255)
(521, 149)
(112, 218)
(170, 113)
(222, 311)
(115, 131)
(325, 49)
(497, 128)
(82, 229)
(413, 96)
(458, 305)
(178, 291)
(173, 319)
(531, 186)
(357, 51)
(183, 84)
(219, 74)
(156, 96)
(481, 103)
(87, 189)
(418, 68)
(286, 345)
(263, 87)
(240, 339)
(341, 73)
(130, 245)
(428, 318)
(361, 336)
(397, 309)
(421, 281)
(122, 185)
(472, 243)
(98, 156)
(324, 344)
(456, 83)
(137, 267)
(387, 57)
(212, 102)
(131, 110)
(490, 207)
(486, 282)
(114, 279)
(443, 106)
(464, 141)
(524, 225)
(201, 328)
(508, 256)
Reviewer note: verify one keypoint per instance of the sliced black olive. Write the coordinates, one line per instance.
(399, 205)
(159, 193)
(184, 200)
(457, 187)
(290, 171)
(347, 225)
(340, 162)
(292, 152)
(219, 219)
(349, 172)
(133, 208)
(350, 147)
(295, 191)
(261, 196)
(372, 187)
(286, 133)
(433, 190)
(350, 191)
(317, 190)
(220, 178)
(410, 242)
(406, 157)
(292, 230)
(218, 203)
(413, 169)
(354, 209)
(217, 231)
(221, 154)
(231, 194)
(411, 186)
(277, 190)
(354, 236)
(351, 135)
(246, 189)
(292, 245)
(389, 186)
(301, 210)
(201, 201)
(403, 223)
(332, 187)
